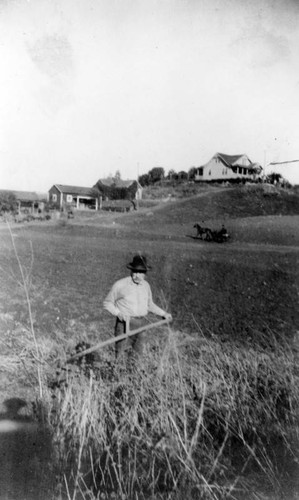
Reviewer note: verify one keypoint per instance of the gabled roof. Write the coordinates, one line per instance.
(76, 190)
(26, 195)
(230, 160)
(118, 182)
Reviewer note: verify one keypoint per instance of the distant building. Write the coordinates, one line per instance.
(224, 167)
(127, 188)
(77, 197)
(30, 201)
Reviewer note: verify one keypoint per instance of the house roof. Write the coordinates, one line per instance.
(120, 183)
(76, 190)
(26, 195)
(230, 160)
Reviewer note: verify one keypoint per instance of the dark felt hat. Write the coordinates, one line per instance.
(139, 264)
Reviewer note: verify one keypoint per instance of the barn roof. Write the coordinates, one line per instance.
(26, 195)
(120, 183)
(77, 190)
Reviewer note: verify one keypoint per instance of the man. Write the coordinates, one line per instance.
(130, 300)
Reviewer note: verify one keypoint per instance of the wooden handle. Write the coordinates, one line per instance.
(119, 337)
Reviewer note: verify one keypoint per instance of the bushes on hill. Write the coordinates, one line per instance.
(172, 189)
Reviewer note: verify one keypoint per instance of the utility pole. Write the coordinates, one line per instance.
(264, 164)
(137, 197)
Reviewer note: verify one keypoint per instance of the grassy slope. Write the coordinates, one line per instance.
(250, 214)
(229, 203)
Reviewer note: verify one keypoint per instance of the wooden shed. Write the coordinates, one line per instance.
(63, 196)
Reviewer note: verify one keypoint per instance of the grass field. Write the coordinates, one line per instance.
(239, 298)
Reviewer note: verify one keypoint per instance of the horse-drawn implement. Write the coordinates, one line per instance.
(207, 234)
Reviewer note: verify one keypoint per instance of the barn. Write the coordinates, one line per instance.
(63, 196)
(223, 167)
(119, 189)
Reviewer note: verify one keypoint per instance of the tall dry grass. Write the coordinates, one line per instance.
(192, 419)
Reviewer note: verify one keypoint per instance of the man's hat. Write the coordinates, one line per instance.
(139, 264)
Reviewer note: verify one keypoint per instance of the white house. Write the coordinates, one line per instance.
(224, 167)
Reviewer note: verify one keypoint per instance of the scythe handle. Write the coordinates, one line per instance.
(119, 337)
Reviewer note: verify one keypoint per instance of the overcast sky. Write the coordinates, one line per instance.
(88, 87)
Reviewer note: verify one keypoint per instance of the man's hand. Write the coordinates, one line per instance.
(122, 317)
(167, 316)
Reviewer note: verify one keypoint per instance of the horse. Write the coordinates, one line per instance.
(203, 233)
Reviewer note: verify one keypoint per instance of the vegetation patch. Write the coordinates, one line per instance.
(196, 418)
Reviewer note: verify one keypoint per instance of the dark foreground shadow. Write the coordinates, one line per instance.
(25, 455)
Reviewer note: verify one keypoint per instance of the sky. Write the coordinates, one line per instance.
(91, 87)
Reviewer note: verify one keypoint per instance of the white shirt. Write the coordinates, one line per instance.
(131, 299)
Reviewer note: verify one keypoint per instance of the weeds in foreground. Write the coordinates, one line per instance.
(190, 420)
(24, 283)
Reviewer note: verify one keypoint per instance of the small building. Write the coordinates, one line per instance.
(29, 201)
(62, 196)
(224, 167)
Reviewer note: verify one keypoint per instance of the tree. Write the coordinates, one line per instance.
(182, 175)
(172, 175)
(192, 173)
(8, 202)
(117, 176)
(156, 174)
(144, 180)
(274, 178)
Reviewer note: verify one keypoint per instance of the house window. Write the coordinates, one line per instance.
(69, 198)
(200, 171)
(209, 172)
(54, 197)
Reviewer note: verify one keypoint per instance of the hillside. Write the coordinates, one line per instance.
(230, 203)
(252, 214)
